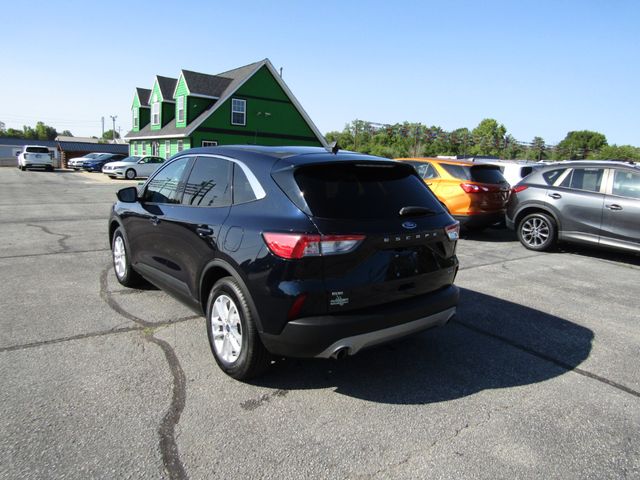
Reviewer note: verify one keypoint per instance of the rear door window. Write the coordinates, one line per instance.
(362, 191)
(209, 183)
(588, 179)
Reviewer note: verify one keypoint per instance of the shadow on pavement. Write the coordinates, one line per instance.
(603, 254)
(491, 344)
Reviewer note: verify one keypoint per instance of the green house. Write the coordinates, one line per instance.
(246, 105)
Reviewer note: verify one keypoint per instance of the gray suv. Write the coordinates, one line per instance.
(593, 202)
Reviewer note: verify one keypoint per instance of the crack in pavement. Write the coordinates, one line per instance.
(166, 430)
(61, 241)
(28, 255)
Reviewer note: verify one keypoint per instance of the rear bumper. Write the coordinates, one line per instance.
(480, 219)
(325, 335)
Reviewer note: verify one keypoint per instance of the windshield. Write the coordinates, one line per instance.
(92, 155)
(130, 159)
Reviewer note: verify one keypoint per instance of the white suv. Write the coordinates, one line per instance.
(35, 156)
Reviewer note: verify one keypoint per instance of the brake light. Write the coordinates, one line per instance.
(519, 188)
(453, 231)
(298, 245)
(473, 188)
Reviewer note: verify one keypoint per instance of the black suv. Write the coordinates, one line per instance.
(293, 251)
(592, 202)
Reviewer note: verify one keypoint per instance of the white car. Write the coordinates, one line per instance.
(513, 172)
(76, 163)
(133, 167)
(33, 156)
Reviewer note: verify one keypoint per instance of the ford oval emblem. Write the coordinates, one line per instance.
(409, 225)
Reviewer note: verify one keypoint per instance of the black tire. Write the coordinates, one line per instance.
(253, 358)
(49, 169)
(130, 174)
(128, 276)
(23, 168)
(537, 231)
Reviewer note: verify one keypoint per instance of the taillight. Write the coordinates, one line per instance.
(519, 188)
(453, 231)
(297, 245)
(473, 188)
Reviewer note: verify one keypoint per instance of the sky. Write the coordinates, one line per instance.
(541, 68)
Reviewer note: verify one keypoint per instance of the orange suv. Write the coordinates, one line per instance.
(475, 194)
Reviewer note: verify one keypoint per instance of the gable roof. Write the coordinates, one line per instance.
(167, 86)
(143, 96)
(204, 84)
(236, 78)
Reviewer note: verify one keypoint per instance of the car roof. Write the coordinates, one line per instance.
(592, 163)
(449, 161)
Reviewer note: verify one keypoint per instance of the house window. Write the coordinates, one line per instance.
(144, 148)
(209, 143)
(136, 120)
(167, 148)
(180, 145)
(155, 113)
(135, 148)
(180, 107)
(238, 111)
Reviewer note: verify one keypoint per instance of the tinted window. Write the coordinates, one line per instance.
(626, 184)
(586, 179)
(209, 183)
(476, 173)
(166, 186)
(424, 169)
(524, 171)
(242, 190)
(362, 191)
(552, 175)
(37, 150)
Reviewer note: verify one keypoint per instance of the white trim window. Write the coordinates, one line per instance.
(144, 148)
(180, 145)
(135, 148)
(167, 148)
(238, 111)
(136, 118)
(155, 113)
(209, 143)
(180, 108)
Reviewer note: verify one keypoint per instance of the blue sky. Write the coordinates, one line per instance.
(539, 67)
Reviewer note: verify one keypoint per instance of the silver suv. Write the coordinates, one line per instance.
(592, 202)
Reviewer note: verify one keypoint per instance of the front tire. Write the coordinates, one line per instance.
(537, 231)
(126, 275)
(130, 174)
(232, 332)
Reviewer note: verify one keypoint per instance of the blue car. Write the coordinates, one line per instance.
(96, 164)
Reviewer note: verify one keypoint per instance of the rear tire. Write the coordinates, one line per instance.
(233, 336)
(130, 174)
(537, 231)
(120, 255)
(23, 168)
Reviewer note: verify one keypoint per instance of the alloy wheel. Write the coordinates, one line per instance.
(119, 257)
(226, 328)
(535, 231)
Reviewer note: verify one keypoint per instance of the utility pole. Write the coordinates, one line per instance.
(113, 132)
(103, 127)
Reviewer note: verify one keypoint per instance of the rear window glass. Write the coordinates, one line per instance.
(476, 173)
(424, 169)
(552, 175)
(37, 150)
(362, 191)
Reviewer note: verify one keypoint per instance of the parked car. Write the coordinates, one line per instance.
(132, 167)
(475, 194)
(78, 162)
(592, 202)
(513, 172)
(291, 251)
(35, 156)
(96, 164)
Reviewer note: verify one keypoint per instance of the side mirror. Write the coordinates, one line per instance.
(128, 195)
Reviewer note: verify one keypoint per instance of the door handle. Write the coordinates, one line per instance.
(154, 220)
(204, 231)
(614, 206)
(555, 195)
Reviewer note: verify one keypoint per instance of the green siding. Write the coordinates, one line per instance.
(145, 116)
(143, 113)
(181, 91)
(196, 105)
(285, 124)
(167, 113)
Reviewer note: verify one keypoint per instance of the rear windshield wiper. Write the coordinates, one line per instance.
(415, 211)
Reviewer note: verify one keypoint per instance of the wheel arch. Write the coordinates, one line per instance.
(214, 271)
(536, 208)
(113, 226)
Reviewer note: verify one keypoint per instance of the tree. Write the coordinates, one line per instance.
(538, 148)
(66, 133)
(488, 138)
(109, 135)
(615, 152)
(581, 144)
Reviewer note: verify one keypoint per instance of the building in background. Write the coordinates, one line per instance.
(246, 105)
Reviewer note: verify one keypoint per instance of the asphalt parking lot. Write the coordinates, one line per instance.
(537, 377)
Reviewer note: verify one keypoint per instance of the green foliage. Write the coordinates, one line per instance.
(615, 152)
(108, 135)
(40, 132)
(489, 138)
(580, 145)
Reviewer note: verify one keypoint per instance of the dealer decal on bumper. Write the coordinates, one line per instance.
(337, 299)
